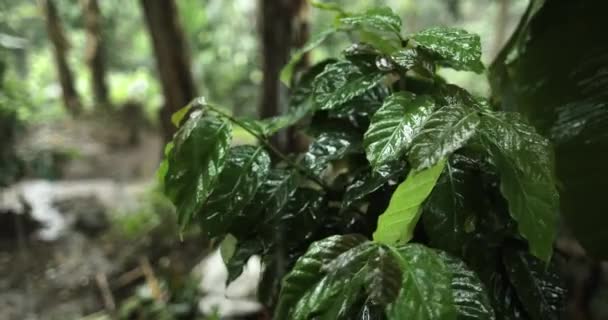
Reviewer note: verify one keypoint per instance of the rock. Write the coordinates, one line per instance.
(87, 213)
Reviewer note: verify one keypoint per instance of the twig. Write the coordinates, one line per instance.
(272, 148)
(128, 277)
(106, 293)
(151, 279)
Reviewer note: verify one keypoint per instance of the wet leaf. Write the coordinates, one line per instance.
(245, 170)
(328, 147)
(370, 181)
(397, 223)
(340, 82)
(470, 295)
(381, 19)
(307, 270)
(524, 161)
(394, 126)
(426, 291)
(270, 198)
(195, 162)
(455, 48)
(445, 131)
(537, 284)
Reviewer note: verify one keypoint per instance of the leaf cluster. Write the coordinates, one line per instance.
(414, 199)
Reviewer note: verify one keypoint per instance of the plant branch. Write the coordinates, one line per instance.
(272, 148)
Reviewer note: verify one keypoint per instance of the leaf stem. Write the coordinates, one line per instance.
(271, 147)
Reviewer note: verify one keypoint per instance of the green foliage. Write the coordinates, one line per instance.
(393, 144)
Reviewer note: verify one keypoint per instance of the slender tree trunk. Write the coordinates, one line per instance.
(56, 34)
(501, 26)
(454, 9)
(95, 51)
(172, 58)
(277, 37)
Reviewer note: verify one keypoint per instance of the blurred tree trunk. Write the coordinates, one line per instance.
(280, 28)
(501, 26)
(95, 51)
(454, 9)
(172, 58)
(55, 32)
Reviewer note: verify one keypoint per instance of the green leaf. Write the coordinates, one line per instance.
(245, 170)
(328, 147)
(426, 291)
(394, 126)
(455, 47)
(524, 160)
(179, 115)
(416, 60)
(270, 198)
(470, 295)
(307, 270)
(228, 247)
(538, 285)
(328, 6)
(505, 300)
(163, 168)
(450, 213)
(298, 223)
(195, 162)
(370, 181)
(341, 82)
(396, 224)
(381, 19)
(446, 130)
(315, 41)
(368, 268)
(242, 252)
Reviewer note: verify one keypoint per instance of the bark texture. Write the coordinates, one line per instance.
(283, 25)
(172, 57)
(95, 51)
(61, 46)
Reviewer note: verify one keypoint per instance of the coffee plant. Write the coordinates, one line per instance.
(414, 200)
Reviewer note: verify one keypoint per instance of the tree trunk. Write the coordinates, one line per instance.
(55, 32)
(278, 30)
(95, 51)
(172, 58)
(501, 26)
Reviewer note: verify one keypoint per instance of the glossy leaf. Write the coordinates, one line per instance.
(340, 82)
(394, 126)
(537, 284)
(363, 106)
(245, 170)
(306, 272)
(368, 182)
(270, 198)
(328, 147)
(450, 213)
(369, 270)
(195, 162)
(426, 291)
(524, 161)
(456, 48)
(301, 218)
(397, 223)
(381, 19)
(446, 130)
(416, 60)
(470, 295)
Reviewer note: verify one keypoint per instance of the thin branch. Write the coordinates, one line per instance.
(272, 148)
